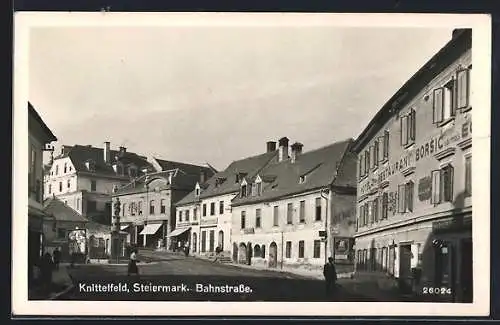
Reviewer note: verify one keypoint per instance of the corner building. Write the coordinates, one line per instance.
(414, 197)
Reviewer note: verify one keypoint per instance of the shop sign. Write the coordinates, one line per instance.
(425, 188)
(437, 144)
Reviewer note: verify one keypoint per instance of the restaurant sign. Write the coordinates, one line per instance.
(410, 158)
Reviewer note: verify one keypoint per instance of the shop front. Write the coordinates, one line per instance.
(180, 238)
(153, 235)
(453, 257)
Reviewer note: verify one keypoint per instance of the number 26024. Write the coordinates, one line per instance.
(436, 291)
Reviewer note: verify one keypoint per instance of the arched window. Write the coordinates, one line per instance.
(256, 251)
(162, 206)
(152, 207)
(263, 251)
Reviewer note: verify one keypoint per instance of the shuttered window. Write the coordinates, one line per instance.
(463, 85)
(438, 97)
(436, 187)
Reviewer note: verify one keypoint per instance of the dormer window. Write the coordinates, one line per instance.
(132, 171)
(90, 165)
(169, 178)
(243, 190)
(302, 179)
(118, 167)
(197, 190)
(258, 186)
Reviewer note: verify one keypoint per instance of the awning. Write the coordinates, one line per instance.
(150, 229)
(124, 227)
(178, 232)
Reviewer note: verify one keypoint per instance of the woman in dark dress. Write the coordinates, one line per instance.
(132, 264)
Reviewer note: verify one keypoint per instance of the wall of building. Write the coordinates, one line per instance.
(36, 146)
(435, 146)
(295, 232)
(61, 179)
(103, 185)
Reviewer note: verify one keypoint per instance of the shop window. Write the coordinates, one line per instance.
(442, 185)
(405, 197)
(203, 241)
(211, 241)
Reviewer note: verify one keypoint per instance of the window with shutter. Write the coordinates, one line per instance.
(463, 88)
(447, 183)
(438, 97)
(404, 130)
(401, 198)
(449, 100)
(409, 197)
(376, 155)
(385, 202)
(412, 126)
(436, 187)
(386, 144)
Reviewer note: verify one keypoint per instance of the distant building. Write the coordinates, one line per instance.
(414, 179)
(83, 177)
(65, 220)
(204, 215)
(148, 202)
(291, 213)
(39, 135)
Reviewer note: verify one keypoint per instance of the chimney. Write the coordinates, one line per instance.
(271, 146)
(283, 149)
(122, 150)
(107, 152)
(202, 176)
(296, 150)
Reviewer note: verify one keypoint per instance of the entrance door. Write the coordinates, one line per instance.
(405, 267)
(273, 255)
(466, 281)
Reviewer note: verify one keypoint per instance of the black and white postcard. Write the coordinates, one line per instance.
(246, 164)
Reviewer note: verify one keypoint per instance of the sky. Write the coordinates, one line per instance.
(218, 94)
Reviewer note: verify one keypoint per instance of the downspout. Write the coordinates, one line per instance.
(326, 191)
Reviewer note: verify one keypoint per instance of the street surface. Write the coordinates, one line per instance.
(170, 277)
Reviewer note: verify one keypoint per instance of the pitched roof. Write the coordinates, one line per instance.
(61, 212)
(330, 165)
(33, 113)
(80, 154)
(461, 42)
(187, 168)
(249, 166)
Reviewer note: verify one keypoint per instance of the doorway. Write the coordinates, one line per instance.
(405, 275)
(273, 255)
(466, 279)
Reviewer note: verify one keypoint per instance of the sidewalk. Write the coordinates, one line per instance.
(61, 283)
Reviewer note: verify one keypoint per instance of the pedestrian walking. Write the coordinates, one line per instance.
(186, 249)
(330, 275)
(46, 268)
(132, 264)
(57, 258)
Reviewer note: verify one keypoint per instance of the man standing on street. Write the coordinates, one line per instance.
(330, 276)
(57, 258)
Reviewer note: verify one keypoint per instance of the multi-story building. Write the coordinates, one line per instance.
(414, 179)
(204, 215)
(83, 177)
(39, 136)
(291, 213)
(148, 202)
